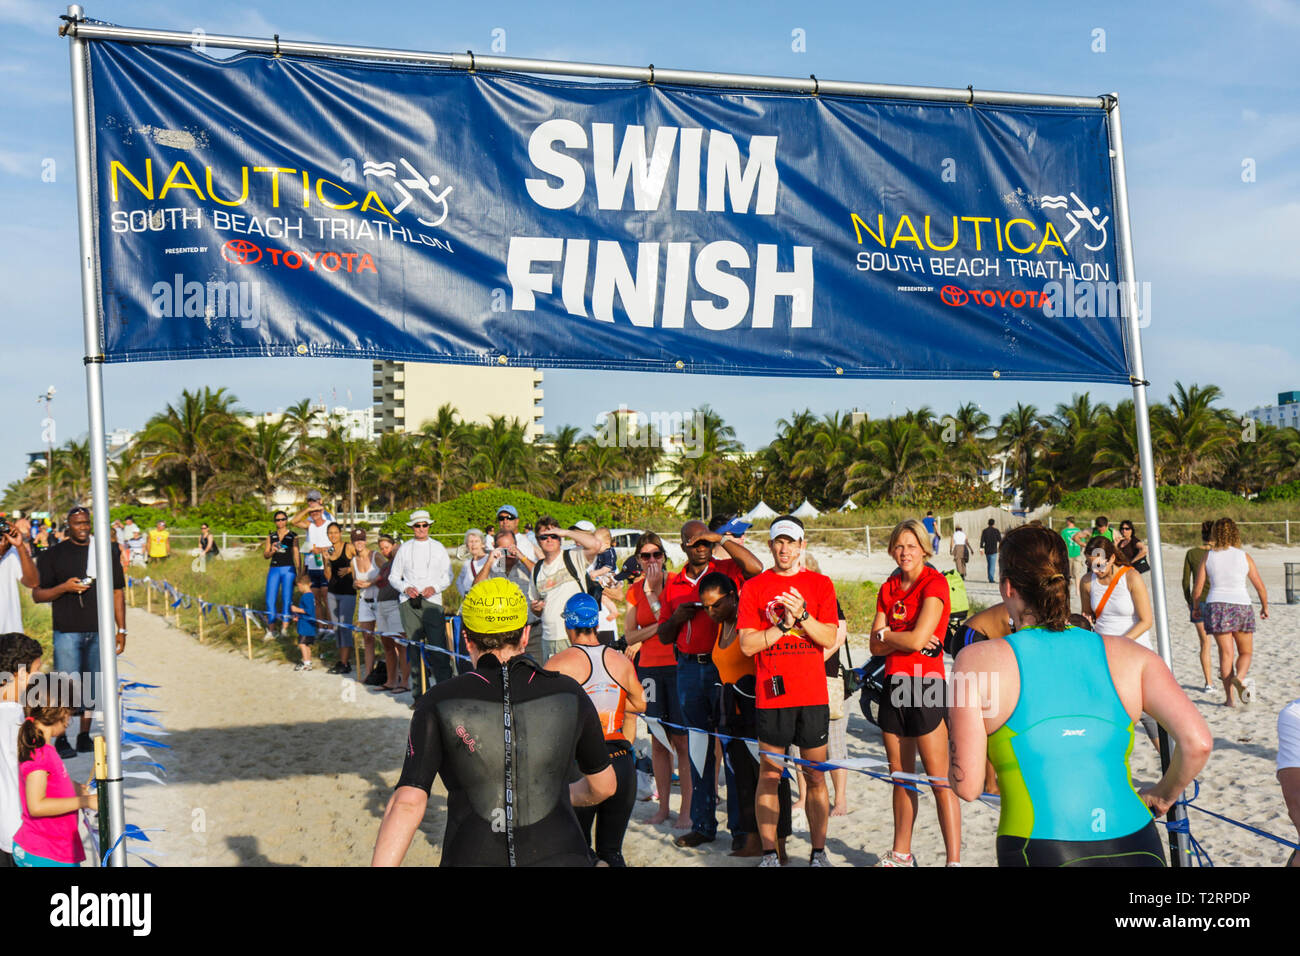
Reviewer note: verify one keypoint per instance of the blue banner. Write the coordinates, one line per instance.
(262, 205)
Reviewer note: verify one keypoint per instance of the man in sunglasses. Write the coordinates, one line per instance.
(420, 572)
(555, 579)
(525, 547)
(315, 520)
(684, 623)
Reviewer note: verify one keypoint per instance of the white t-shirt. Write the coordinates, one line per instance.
(557, 585)
(1227, 570)
(958, 538)
(317, 536)
(11, 609)
(1288, 736)
(11, 811)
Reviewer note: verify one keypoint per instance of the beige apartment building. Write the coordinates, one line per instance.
(407, 394)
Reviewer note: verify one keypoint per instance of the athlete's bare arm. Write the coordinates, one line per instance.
(402, 818)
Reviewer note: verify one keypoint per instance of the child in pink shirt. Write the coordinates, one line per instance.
(50, 800)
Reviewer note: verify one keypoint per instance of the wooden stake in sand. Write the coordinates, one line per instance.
(200, 618)
(248, 632)
(148, 598)
(101, 775)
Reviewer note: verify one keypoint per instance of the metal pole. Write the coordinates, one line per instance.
(642, 74)
(109, 702)
(1179, 845)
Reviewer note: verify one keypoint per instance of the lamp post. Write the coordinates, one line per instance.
(48, 428)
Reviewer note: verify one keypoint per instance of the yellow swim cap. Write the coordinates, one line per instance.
(494, 606)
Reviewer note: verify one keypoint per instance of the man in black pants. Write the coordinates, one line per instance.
(990, 539)
(610, 680)
(504, 740)
(738, 719)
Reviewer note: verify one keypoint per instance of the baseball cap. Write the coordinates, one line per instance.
(511, 510)
(78, 510)
(494, 606)
(358, 534)
(417, 516)
(581, 610)
(586, 526)
(786, 527)
(313, 496)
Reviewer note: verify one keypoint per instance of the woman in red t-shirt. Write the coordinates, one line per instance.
(911, 621)
(656, 666)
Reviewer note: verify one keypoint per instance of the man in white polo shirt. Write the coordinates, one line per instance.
(420, 572)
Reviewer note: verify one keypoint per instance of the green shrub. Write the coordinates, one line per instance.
(1287, 492)
(1107, 501)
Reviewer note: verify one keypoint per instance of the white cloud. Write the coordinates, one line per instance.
(28, 13)
(1285, 12)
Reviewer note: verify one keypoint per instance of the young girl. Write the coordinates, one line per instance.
(48, 835)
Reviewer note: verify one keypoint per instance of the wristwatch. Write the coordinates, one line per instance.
(802, 617)
(121, 630)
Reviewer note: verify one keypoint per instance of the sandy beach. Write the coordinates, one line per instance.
(269, 767)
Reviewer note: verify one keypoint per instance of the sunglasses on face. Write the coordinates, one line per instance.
(548, 537)
(506, 517)
(422, 524)
(278, 520)
(650, 555)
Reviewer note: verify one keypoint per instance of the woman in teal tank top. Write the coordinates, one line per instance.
(1053, 707)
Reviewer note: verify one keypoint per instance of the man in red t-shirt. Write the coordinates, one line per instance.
(787, 618)
(684, 622)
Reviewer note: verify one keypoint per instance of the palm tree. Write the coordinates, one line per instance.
(1021, 435)
(895, 458)
(269, 459)
(1191, 434)
(1118, 448)
(439, 448)
(299, 418)
(390, 469)
(194, 435)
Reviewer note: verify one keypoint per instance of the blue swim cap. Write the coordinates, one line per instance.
(581, 610)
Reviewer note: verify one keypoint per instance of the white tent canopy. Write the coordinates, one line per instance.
(760, 510)
(849, 505)
(806, 510)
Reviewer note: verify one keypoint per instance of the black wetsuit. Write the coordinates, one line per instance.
(458, 733)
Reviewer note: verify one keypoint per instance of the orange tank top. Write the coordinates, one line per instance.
(731, 662)
(606, 693)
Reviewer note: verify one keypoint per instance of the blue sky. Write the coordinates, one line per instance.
(1204, 86)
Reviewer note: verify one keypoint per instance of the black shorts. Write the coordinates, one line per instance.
(913, 706)
(805, 727)
(661, 700)
(1141, 848)
(318, 579)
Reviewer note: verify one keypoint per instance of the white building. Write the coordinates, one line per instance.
(408, 394)
(1285, 414)
(358, 424)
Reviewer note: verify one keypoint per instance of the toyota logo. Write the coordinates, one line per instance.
(244, 253)
(952, 295)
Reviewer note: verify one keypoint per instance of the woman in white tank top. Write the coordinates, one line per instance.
(1127, 612)
(1229, 615)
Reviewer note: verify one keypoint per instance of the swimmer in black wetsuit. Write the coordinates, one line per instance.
(504, 739)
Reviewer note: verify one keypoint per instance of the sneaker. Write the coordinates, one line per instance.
(956, 863)
(896, 859)
(302, 666)
(819, 858)
(268, 636)
(1208, 688)
(63, 748)
(338, 668)
(770, 859)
